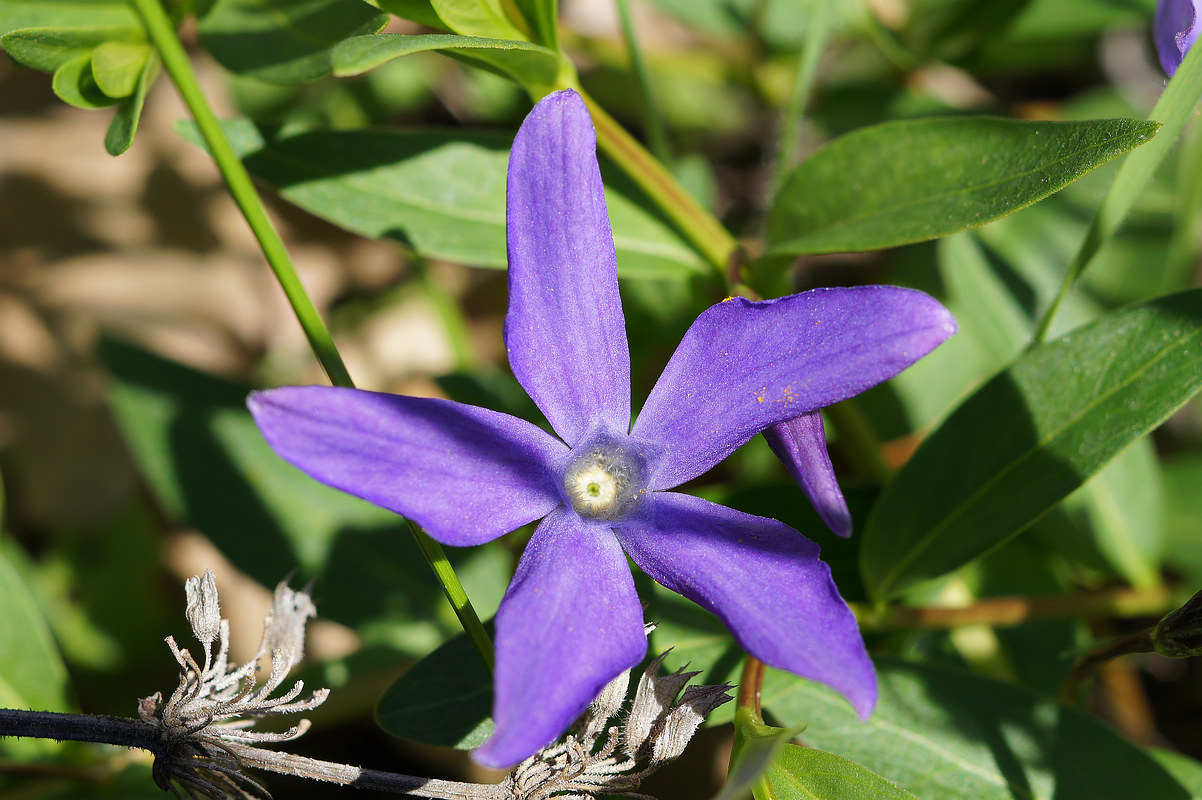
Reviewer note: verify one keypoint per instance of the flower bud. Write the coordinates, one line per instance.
(1179, 633)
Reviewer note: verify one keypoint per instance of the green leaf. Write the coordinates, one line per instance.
(47, 49)
(445, 699)
(74, 84)
(283, 41)
(206, 461)
(32, 674)
(910, 180)
(947, 735)
(1186, 770)
(16, 14)
(1029, 437)
(1123, 506)
(118, 66)
(441, 193)
(803, 773)
(534, 67)
(120, 136)
(755, 749)
(419, 11)
(543, 18)
(476, 18)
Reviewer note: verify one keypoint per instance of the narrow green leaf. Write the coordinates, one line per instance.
(206, 461)
(477, 18)
(543, 18)
(32, 674)
(419, 11)
(47, 49)
(755, 750)
(1123, 506)
(1029, 437)
(283, 41)
(16, 14)
(117, 66)
(445, 699)
(534, 67)
(120, 136)
(74, 84)
(943, 734)
(803, 773)
(910, 180)
(441, 193)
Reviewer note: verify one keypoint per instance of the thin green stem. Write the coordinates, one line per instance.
(1173, 110)
(699, 226)
(436, 557)
(175, 60)
(652, 120)
(807, 70)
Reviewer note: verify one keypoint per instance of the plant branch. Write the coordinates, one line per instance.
(126, 732)
(1009, 611)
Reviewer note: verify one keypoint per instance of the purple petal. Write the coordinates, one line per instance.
(1175, 29)
(465, 474)
(564, 330)
(763, 580)
(569, 624)
(745, 366)
(801, 444)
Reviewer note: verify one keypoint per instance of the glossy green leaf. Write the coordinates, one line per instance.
(419, 11)
(476, 18)
(443, 194)
(32, 674)
(444, 699)
(530, 65)
(120, 135)
(1029, 437)
(117, 66)
(910, 180)
(47, 49)
(283, 41)
(74, 84)
(943, 734)
(16, 14)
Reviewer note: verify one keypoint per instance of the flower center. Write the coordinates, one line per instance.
(604, 481)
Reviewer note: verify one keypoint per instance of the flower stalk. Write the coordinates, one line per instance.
(175, 60)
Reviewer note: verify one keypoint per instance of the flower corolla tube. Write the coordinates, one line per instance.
(570, 620)
(1175, 29)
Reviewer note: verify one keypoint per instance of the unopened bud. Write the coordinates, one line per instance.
(203, 611)
(1179, 633)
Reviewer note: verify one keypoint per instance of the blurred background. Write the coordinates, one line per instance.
(136, 312)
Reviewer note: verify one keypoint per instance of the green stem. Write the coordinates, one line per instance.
(162, 33)
(175, 61)
(699, 226)
(1173, 110)
(807, 70)
(436, 557)
(651, 118)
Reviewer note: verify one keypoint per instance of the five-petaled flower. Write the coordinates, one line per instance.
(1175, 28)
(571, 620)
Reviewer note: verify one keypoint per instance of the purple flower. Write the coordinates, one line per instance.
(1176, 28)
(571, 621)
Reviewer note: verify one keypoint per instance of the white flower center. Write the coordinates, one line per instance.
(604, 481)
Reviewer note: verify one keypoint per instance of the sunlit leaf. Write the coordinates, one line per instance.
(47, 49)
(117, 66)
(1031, 436)
(905, 181)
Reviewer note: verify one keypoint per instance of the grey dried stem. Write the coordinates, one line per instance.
(202, 741)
